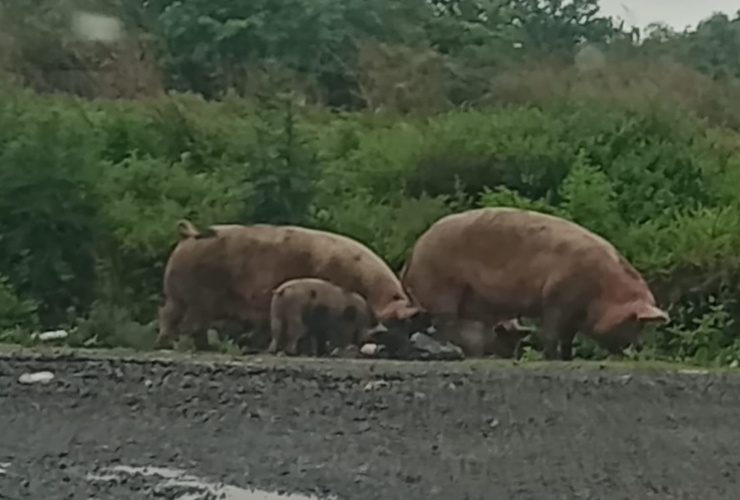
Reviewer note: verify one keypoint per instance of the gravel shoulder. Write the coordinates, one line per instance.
(363, 430)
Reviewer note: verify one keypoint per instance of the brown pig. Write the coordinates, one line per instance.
(231, 271)
(321, 312)
(525, 263)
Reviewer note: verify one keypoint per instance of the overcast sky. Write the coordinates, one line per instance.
(676, 13)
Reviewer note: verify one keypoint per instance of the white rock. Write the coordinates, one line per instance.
(54, 335)
(376, 384)
(36, 378)
(96, 27)
(692, 371)
(369, 349)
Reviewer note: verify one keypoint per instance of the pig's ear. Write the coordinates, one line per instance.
(613, 316)
(412, 312)
(350, 313)
(647, 313)
(643, 312)
(522, 330)
(407, 312)
(512, 327)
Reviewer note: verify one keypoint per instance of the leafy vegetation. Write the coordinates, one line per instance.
(371, 119)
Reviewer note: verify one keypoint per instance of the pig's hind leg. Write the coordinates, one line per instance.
(557, 331)
(296, 330)
(566, 343)
(170, 317)
(277, 331)
(195, 324)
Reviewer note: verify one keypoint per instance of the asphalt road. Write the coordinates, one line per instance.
(132, 429)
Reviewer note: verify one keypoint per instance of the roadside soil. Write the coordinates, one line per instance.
(362, 430)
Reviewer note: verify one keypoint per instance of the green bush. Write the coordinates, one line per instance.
(453, 104)
(49, 205)
(90, 193)
(14, 311)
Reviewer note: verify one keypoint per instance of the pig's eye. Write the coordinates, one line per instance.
(397, 297)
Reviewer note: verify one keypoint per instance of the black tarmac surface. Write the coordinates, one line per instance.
(360, 430)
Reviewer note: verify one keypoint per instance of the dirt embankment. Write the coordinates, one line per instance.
(363, 430)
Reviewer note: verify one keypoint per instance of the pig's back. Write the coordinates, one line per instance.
(310, 287)
(302, 292)
(514, 251)
(269, 255)
(348, 263)
(522, 234)
(262, 256)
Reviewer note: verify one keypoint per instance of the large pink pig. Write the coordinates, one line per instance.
(525, 263)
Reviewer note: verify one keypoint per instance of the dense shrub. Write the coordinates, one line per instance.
(48, 205)
(453, 104)
(90, 193)
(354, 53)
